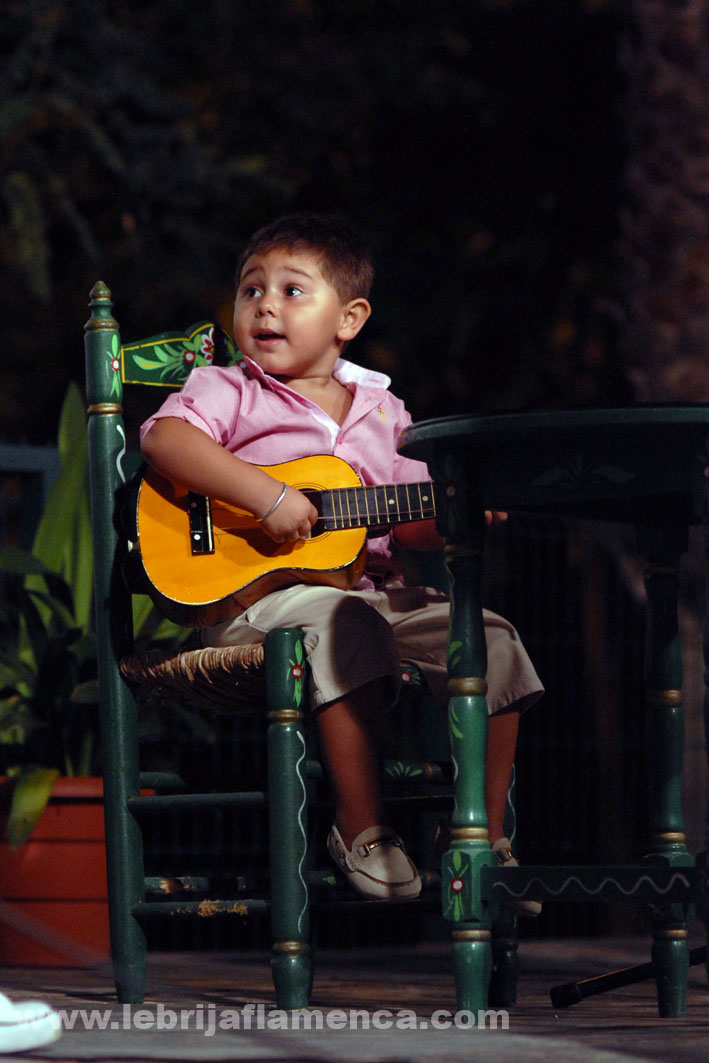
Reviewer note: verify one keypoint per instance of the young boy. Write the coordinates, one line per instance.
(302, 294)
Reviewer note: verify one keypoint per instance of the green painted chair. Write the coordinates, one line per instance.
(273, 675)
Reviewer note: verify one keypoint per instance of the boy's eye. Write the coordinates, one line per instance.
(293, 289)
(249, 291)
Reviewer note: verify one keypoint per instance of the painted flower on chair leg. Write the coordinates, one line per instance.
(297, 672)
(456, 899)
(114, 366)
(409, 674)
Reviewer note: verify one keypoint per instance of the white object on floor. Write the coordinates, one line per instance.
(28, 1024)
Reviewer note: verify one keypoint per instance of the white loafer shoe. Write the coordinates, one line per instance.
(377, 866)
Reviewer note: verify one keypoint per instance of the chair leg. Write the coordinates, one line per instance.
(467, 727)
(124, 848)
(505, 956)
(107, 440)
(291, 962)
(505, 961)
(661, 548)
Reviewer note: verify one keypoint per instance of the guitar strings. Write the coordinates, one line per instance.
(339, 505)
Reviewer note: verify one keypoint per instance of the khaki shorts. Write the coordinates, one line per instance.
(354, 637)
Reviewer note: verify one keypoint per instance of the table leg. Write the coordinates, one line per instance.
(467, 721)
(661, 547)
(703, 860)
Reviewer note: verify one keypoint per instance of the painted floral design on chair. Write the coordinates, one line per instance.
(297, 672)
(167, 359)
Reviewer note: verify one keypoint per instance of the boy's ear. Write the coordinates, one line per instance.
(354, 315)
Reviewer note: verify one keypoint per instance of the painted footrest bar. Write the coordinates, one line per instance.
(204, 908)
(183, 802)
(420, 771)
(648, 883)
(164, 885)
(162, 780)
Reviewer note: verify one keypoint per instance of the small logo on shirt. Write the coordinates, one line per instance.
(381, 413)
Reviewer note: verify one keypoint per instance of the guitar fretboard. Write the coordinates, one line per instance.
(362, 507)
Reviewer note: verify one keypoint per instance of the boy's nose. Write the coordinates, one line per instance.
(266, 306)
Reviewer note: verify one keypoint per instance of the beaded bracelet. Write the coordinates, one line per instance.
(275, 504)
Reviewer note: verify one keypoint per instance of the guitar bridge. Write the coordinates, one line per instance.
(199, 509)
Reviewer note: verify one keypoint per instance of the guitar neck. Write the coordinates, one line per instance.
(366, 507)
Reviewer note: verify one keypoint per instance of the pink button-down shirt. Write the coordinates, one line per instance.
(264, 421)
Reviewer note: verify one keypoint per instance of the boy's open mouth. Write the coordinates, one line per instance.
(268, 334)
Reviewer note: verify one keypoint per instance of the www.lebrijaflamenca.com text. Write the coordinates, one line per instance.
(208, 1019)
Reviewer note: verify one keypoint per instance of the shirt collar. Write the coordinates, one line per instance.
(349, 372)
(344, 371)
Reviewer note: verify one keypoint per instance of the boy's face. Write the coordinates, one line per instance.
(288, 318)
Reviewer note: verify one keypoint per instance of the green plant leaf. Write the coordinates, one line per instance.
(84, 649)
(149, 624)
(20, 562)
(79, 569)
(56, 609)
(72, 425)
(13, 726)
(34, 637)
(86, 693)
(14, 671)
(63, 535)
(29, 800)
(142, 611)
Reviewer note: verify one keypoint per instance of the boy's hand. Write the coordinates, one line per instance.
(292, 518)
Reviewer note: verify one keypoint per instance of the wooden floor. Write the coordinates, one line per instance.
(622, 1025)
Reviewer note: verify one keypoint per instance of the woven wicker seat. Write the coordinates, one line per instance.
(225, 679)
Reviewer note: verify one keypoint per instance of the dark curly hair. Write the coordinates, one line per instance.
(345, 258)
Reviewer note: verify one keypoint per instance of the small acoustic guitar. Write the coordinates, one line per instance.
(206, 560)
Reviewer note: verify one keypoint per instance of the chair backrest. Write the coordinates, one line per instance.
(167, 359)
(163, 361)
(160, 362)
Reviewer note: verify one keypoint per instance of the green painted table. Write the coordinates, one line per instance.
(648, 466)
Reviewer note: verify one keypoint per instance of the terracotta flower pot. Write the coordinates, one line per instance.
(53, 907)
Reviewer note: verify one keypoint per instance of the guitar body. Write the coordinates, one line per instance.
(203, 589)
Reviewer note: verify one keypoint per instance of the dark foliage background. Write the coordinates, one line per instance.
(532, 176)
(479, 144)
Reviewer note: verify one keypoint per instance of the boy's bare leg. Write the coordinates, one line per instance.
(350, 738)
(501, 746)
